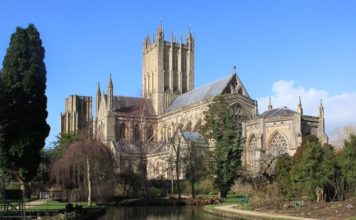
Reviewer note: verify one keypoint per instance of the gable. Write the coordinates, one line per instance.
(227, 85)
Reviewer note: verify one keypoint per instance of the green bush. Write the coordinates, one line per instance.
(206, 187)
(155, 192)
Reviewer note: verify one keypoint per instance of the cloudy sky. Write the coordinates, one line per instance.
(282, 49)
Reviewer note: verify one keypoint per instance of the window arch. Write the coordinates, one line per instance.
(150, 136)
(122, 131)
(251, 161)
(278, 144)
(136, 132)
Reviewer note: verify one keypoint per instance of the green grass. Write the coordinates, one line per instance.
(56, 205)
(352, 218)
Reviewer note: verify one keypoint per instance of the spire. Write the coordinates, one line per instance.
(180, 39)
(269, 104)
(300, 107)
(98, 97)
(110, 93)
(146, 41)
(321, 109)
(189, 37)
(110, 82)
(98, 92)
(160, 34)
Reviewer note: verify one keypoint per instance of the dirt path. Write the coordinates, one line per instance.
(231, 209)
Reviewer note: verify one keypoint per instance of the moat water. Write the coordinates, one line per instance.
(158, 213)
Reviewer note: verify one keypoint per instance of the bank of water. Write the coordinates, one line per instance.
(158, 213)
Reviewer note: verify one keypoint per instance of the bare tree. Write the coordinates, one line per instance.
(195, 159)
(86, 167)
(176, 143)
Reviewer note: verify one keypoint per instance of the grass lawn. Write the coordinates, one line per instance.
(55, 205)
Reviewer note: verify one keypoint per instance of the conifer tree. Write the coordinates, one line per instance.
(222, 129)
(24, 106)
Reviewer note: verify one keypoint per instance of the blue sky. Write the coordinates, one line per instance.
(282, 49)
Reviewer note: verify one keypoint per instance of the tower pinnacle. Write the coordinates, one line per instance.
(270, 104)
(321, 109)
(300, 107)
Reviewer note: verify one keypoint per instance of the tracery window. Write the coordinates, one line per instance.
(278, 145)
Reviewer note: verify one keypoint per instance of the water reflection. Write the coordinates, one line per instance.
(158, 213)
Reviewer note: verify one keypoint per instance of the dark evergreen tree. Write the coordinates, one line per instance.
(347, 163)
(24, 108)
(222, 128)
(313, 168)
(283, 167)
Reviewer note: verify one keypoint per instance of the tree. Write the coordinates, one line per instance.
(221, 128)
(282, 170)
(312, 169)
(195, 159)
(176, 144)
(64, 140)
(23, 108)
(347, 164)
(86, 168)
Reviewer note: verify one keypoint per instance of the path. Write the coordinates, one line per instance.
(35, 203)
(231, 209)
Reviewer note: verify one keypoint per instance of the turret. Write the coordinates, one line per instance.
(110, 94)
(98, 97)
(321, 109)
(321, 128)
(300, 107)
(160, 34)
(146, 43)
(269, 104)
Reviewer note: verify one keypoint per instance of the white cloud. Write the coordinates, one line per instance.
(340, 109)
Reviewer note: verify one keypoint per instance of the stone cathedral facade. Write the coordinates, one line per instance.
(171, 104)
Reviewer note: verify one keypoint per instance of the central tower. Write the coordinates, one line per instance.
(167, 69)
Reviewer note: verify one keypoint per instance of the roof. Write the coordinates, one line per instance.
(127, 147)
(192, 136)
(204, 92)
(133, 105)
(284, 111)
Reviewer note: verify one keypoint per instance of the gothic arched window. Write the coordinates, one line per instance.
(136, 132)
(239, 91)
(150, 136)
(122, 131)
(278, 144)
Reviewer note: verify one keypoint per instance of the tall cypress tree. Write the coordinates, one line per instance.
(24, 105)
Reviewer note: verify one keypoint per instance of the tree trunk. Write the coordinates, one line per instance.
(178, 186)
(193, 189)
(89, 182)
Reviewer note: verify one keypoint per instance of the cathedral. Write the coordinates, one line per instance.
(171, 105)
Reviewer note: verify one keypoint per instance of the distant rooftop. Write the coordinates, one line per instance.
(133, 105)
(125, 146)
(207, 91)
(192, 136)
(284, 111)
